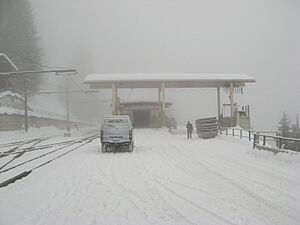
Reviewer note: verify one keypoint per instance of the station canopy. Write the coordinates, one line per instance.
(170, 80)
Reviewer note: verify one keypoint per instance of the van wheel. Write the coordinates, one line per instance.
(104, 148)
(130, 147)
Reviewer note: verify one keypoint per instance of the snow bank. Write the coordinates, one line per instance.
(166, 180)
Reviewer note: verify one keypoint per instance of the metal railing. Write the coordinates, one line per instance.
(263, 138)
(37, 111)
(280, 142)
(11, 105)
(235, 132)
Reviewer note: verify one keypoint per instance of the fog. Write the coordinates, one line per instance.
(258, 38)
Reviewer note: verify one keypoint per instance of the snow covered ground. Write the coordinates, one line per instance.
(167, 179)
(19, 135)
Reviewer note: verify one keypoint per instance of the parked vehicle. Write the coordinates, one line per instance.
(116, 133)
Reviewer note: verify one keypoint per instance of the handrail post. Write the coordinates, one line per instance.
(233, 132)
(277, 140)
(264, 140)
(241, 133)
(254, 141)
(226, 131)
(249, 135)
(280, 143)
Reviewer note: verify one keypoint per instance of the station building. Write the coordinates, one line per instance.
(143, 114)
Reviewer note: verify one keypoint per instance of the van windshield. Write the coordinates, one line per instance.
(117, 123)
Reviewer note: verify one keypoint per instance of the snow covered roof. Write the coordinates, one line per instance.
(39, 106)
(9, 92)
(171, 80)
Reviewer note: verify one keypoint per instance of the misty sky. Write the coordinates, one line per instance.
(258, 37)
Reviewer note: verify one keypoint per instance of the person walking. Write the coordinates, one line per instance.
(189, 128)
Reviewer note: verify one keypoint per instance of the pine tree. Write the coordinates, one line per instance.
(19, 41)
(284, 129)
(284, 126)
(296, 134)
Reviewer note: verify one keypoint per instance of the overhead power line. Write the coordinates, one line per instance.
(57, 72)
(91, 92)
(59, 92)
(33, 63)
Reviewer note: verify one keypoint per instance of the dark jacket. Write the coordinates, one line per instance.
(189, 127)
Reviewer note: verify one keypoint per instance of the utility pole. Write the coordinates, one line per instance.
(219, 103)
(67, 105)
(232, 111)
(163, 89)
(114, 99)
(25, 106)
(25, 112)
(160, 108)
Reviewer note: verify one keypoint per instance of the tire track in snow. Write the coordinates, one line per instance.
(230, 164)
(237, 186)
(248, 175)
(122, 192)
(155, 211)
(174, 193)
(274, 174)
(150, 177)
(109, 202)
(203, 209)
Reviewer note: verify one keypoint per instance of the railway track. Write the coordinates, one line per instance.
(12, 147)
(49, 153)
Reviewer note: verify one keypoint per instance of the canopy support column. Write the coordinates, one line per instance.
(231, 105)
(114, 99)
(159, 107)
(163, 88)
(219, 103)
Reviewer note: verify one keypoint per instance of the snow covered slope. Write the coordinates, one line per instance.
(167, 179)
